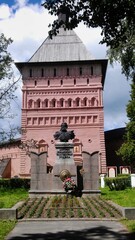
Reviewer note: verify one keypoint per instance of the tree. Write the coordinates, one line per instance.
(116, 19)
(8, 84)
(127, 150)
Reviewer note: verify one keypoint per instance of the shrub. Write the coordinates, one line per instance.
(15, 183)
(123, 175)
(118, 183)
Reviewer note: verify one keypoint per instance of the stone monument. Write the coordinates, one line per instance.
(64, 165)
(43, 182)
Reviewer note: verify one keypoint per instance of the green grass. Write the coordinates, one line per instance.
(130, 224)
(124, 198)
(5, 227)
(9, 197)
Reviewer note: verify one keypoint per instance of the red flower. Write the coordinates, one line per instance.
(69, 183)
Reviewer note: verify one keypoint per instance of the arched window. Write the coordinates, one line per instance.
(69, 102)
(38, 103)
(43, 146)
(61, 82)
(77, 101)
(46, 103)
(93, 102)
(87, 81)
(85, 102)
(53, 102)
(77, 151)
(62, 102)
(30, 103)
(74, 81)
(48, 82)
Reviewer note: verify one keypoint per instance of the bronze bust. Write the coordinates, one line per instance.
(63, 135)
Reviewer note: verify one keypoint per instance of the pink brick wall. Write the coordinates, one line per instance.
(84, 114)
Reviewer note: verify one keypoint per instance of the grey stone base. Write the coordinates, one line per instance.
(91, 192)
(6, 213)
(9, 213)
(129, 213)
(45, 193)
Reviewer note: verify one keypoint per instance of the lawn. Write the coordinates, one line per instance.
(124, 198)
(5, 227)
(9, 197)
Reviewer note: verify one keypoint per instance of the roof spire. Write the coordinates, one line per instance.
(63, 14)
(62, 17)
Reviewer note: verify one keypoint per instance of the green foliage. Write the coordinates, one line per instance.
(124, 53)
(115, 18)
(118, 183)
(14, 183)
(123, 175)
(127, 150)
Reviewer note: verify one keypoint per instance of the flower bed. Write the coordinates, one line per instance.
(68, 207)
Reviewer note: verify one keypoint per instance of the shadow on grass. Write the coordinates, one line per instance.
(97, 233)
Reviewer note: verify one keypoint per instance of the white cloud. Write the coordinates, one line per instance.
(89, 35)
(27, 24)
(20, 3)
(5, 11)
(116, 97)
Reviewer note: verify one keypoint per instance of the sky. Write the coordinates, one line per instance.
(26, 22)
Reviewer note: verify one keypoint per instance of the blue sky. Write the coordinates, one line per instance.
(26, 22)
(12, 2)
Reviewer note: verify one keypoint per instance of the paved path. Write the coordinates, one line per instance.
(69, 230)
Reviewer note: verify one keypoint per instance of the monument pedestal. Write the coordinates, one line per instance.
(64, 161)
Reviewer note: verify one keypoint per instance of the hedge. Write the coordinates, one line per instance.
(15, 183)
(118, 183)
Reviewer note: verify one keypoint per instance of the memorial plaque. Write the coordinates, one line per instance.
(64, 153)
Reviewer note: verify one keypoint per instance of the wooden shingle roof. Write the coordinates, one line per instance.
(66, 46)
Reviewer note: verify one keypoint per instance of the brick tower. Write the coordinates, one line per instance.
(63, 83)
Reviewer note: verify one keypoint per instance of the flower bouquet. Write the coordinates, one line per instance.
(69, 184)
